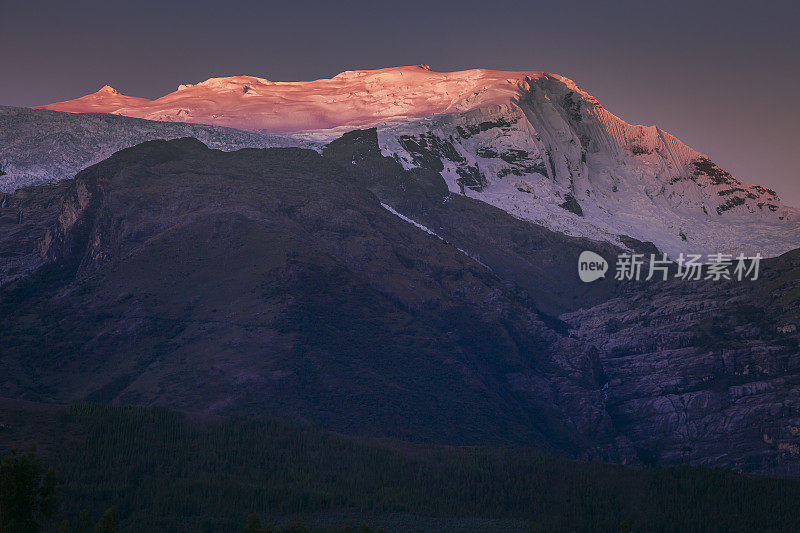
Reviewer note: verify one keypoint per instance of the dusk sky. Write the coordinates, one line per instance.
(721, 76)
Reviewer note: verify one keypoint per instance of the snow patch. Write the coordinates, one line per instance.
(429, 232)
(410, 221)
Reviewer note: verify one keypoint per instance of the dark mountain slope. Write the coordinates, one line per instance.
(539, 261)
(273, 282)
(697, 372)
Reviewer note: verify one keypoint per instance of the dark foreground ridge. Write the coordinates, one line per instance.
(275, 283)
(168, 472)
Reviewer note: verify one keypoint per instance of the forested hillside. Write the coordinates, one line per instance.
(165, 471)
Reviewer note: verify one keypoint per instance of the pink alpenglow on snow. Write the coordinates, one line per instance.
(357, 98)
(102, 101)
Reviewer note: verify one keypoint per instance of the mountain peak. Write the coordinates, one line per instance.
(107, 89)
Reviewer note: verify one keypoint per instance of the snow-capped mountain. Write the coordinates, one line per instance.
(347, 101)
(531, 143)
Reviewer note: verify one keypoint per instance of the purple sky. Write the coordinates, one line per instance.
(721, 76)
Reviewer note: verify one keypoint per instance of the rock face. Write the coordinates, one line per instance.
(703, 371)
(25, 217)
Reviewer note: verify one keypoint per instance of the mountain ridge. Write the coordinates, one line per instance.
(531, 143)
(440, 93)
